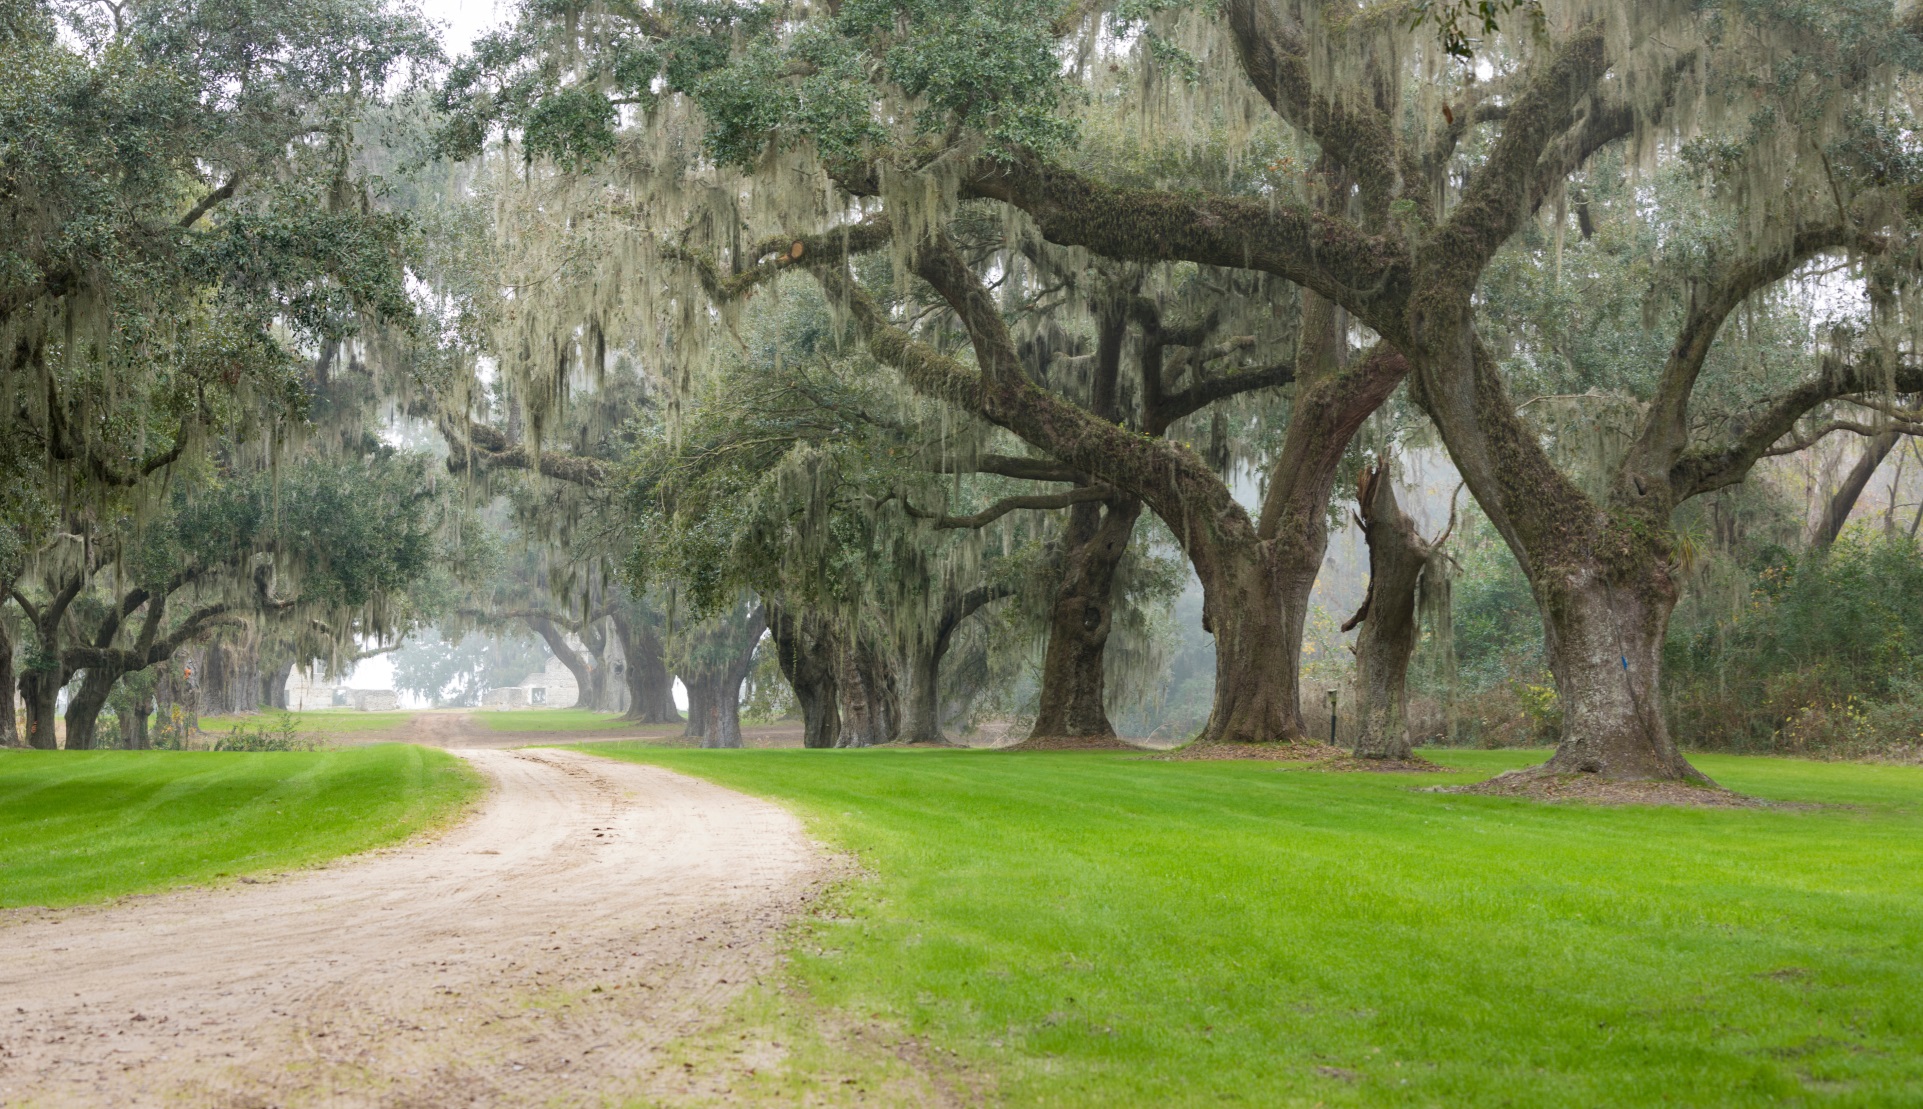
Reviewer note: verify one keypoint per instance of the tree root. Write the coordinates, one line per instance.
(1071, 743)
(1536, 784)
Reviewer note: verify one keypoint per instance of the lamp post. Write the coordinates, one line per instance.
(1332, 696)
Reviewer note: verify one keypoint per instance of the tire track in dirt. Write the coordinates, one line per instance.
(541, 952)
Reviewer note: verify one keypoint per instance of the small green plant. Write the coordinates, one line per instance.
(278, 733)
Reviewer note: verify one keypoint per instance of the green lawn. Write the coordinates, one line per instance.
(87, 825)
(331, 721)
(1104, 930)
(553, 720)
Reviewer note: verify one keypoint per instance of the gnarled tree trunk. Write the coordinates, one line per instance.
(1604, 628)
(1398, 557)
(273, 685)
(807, 650)
(870, 694)
(723, 727)
(1074, 687)
(83, 711)
(582, 670)
(39, 693)
(230, 680)
(650, 686)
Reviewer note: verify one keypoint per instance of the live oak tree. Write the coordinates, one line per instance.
(178, 198)
(328, 546)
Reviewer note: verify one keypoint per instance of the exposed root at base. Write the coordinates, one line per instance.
(1533, 783)
(1071, 743)
(1304, 751)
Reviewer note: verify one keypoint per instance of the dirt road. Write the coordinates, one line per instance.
(538, 954)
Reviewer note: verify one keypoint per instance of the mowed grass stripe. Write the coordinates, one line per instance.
(85, 826)
(1106, 930)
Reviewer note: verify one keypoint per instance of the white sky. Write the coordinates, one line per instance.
(464, 20)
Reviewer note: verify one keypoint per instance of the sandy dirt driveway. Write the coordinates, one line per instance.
(540, 953)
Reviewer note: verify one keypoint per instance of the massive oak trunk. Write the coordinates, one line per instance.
(83, 711)
(808, 652)
(870, 694)
(1074, 689)
(1397, 560)
(230, 677)
(133, 728)
(718, 656)
(602, 695)
(39, 694)
(723, 727)
(650, 686)
(1604, 632)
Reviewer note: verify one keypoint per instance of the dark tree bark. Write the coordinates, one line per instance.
(600, 694)
(870, 694)
(1072, 702)
(725, 667)
(557, 642)
(230, 681)
(47, 672)
(701, 696)
(83, 711)
(808, 650)
(921, 707)
(9, 725)
(273, 685)
(175, 702)
(1836, 512)
(1398, 557)
(133, 728)
(1074, 691)
(650, 686)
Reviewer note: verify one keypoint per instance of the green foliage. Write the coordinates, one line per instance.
(1825, 656)
(278, 732)
(1101, 930)
(86, 826)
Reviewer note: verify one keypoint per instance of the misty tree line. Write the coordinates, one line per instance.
(936, 342)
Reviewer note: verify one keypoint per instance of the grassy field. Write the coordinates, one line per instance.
(84, 826)
(329, 721)
(556, 720)
(1106, 930)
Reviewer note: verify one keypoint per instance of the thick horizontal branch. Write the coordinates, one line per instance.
(776, 256)
(1367, 274)
(1006, 505)
(1003, 465)
(1207, 391)
(486, 448)
(1704, 470)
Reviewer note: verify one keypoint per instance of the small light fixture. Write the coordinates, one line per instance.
(1333, 694)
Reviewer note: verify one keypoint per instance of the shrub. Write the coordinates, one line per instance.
(279, 733)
